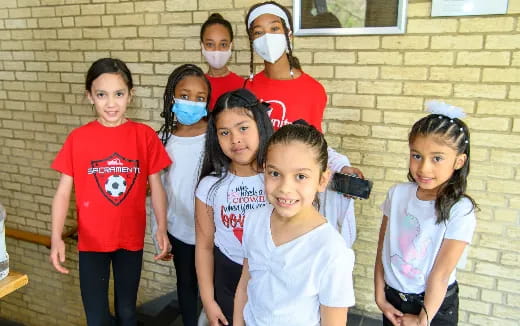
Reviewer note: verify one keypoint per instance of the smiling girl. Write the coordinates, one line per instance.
(427, 224)
(109, 162)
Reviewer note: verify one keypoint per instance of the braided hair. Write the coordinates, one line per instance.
(455, 134)
(293, 61)
(176, 76)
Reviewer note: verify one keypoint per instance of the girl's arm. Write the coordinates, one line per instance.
(437, 283)
(60, 207)
(333, 316)
(204, 263)
(241, 296)
(386, 307)
(159, 205)
(340, 163)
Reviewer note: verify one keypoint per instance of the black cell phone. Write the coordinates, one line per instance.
(351, 185)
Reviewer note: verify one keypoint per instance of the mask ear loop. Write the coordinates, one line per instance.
(289, 33)
(174, 116)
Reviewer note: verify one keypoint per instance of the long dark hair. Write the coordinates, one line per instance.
(213, 19)
(108, 66)
(169, 93)
(215, 162)
(301, 131)
(293, 61)
(455, 134)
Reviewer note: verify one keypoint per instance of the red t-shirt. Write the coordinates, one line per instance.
(110, 167)
(221, 85)
(292, 99)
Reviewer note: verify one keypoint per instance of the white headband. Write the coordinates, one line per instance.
(268, 8)
(441, 108)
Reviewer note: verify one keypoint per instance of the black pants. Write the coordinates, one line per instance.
(187, 287)
(94, 274)
(447, 315)
(226, 276)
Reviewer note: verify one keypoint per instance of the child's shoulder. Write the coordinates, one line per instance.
(85, 129)
(464, 206)
(141, 126)
(402, 187)
(333, 248)
(209, 179)
(331, 241)
(207, 182)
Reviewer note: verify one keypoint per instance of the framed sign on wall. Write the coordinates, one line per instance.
(349, 17)
(468, 7)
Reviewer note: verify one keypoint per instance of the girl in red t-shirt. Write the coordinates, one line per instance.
(109, 161)
(216, 42)
(291, 93)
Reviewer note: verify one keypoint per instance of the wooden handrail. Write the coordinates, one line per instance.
(36, 238)
(12, 282)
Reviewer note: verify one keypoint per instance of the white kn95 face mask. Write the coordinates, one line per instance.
(270, 46)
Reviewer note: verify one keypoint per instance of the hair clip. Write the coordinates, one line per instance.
(466, 141)
(443, 109)
(461, 129)
(451, 121)
(440, 117)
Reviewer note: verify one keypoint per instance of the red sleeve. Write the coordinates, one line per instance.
(63, 161)
(158, 158)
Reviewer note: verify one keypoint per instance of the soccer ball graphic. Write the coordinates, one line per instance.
(115, 185)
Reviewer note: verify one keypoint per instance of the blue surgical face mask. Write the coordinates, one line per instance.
(189, 112)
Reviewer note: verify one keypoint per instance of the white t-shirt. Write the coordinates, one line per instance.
(289, 282)
(232, 200)
(179, 182)
(338, 209)
(412, 239)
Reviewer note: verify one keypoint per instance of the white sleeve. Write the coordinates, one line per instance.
(348, 225)
(336, 286)
(462, 221)
(247, 231)
(336, 160)
(387, 204)
(204, 187)
(153, 220)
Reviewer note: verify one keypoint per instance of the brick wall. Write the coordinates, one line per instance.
(376, 84)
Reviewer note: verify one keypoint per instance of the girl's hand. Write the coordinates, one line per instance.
(164, 246)
(352, 171)
(390, 312)
(411, 320)
(215, 315)
(57, 255)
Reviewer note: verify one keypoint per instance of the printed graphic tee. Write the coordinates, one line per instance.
(232, 200)
(292, 99)
(412, 239)
(110, 167)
